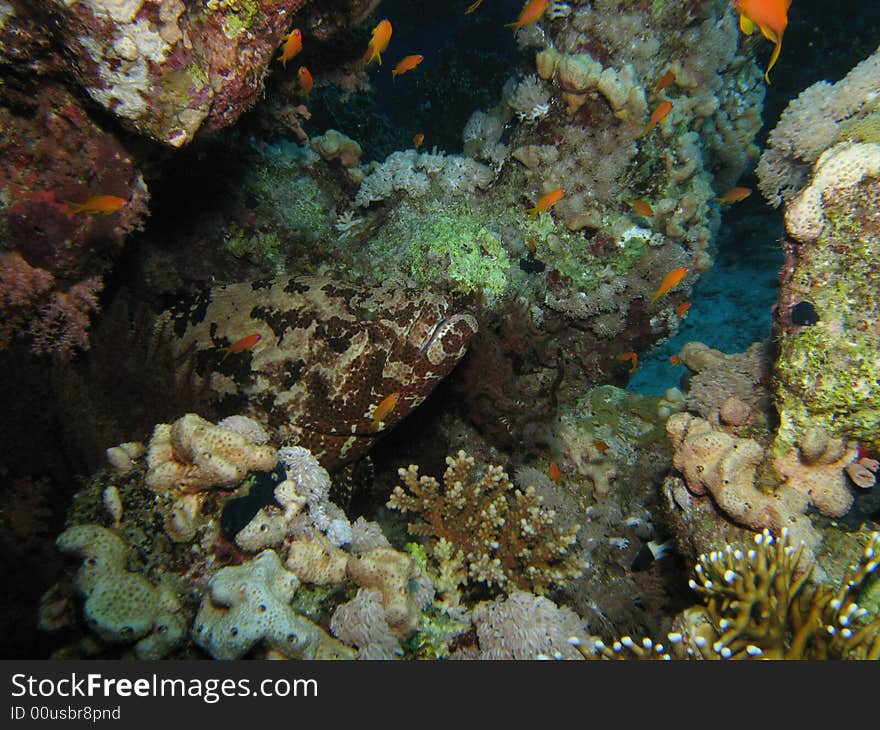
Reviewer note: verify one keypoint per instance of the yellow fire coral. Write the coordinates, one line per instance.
(483, 529)
(759, 605)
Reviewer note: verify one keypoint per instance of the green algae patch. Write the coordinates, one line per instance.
(257, 247)
(239, 16)
(828, 374)
(445, 244)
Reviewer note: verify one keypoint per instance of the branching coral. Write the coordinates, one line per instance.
(495, 533)
(759, 605)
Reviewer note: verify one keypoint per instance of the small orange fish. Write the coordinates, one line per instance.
(674, 360)
(293, 44)
(533, 247)
(306, 81)
(105, 204)
(601, 446)
(408, 63)
(665, 80)
(532, 11)
(734, 195)
(418, 139)
(672, 279)
(633, 359)
(641, 207)
(682, 309)
(379, 41)
(547, 201)
(554, 472)
(472, 7)
(768, 16)
(245, 343)
(388, 404)
(659, 114)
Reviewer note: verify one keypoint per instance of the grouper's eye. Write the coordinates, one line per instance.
(432, 333)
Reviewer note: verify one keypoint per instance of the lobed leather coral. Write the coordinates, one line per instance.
(483, 529)
(759, 605)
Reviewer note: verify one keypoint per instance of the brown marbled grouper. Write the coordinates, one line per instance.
(328, 354)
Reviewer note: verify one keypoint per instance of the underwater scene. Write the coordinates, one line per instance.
(504, 329)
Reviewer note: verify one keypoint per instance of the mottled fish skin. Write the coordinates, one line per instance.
(329, 353)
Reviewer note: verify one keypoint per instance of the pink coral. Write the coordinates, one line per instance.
(21, 287)
(62, 323)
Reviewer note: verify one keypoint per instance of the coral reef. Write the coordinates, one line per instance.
(758, 603)
(249, 604)
(192, 454)
(468, 529)
(121, 606)
(168, 71)
(328, 355)
(822, 116)
(52, 259)
(526, 626)
(728, 384)
(827, 374)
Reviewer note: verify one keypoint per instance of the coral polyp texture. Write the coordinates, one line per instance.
(121, 606)
(741, 470)
(328, 355)
(758, 603)
(193, 454)
(822, 116)
(246, 605)
(480, 528)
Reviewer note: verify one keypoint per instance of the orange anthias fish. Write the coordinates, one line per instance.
(641, 207)
(665, 80)
(554, 472)
(672, 279)
(105, 204)
(378, 42)
(545, 202)
(407, 64)
(388, 404)
(533, 10)
(472, 7)
(659, 114)
(633, 358)
(418, 139)
(601, 446)
(768, 16)
(682, 309)
(293, 44)
(306, 81)
(245, 343)
(674, 360)
(734, 195)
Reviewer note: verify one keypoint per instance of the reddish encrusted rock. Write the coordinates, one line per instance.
(168, 68)
(52, 154)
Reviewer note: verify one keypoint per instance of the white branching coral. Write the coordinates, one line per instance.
(501, 535)
(346, 224)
